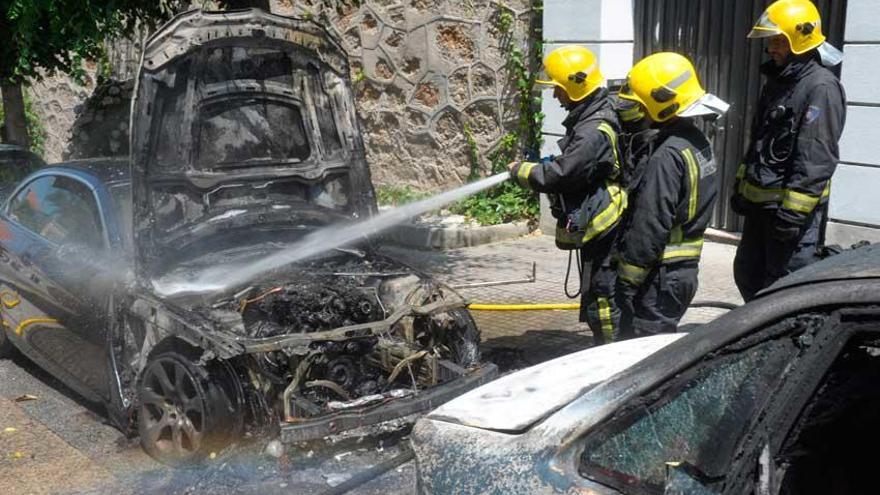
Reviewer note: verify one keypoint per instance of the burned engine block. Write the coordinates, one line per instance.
(309, 306)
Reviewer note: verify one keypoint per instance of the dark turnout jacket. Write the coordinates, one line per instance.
(670, 203)
(581, 182)
(794, 146)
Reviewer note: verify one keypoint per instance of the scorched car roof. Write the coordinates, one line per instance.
(849, 265)
(107, 170)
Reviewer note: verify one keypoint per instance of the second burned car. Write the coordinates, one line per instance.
(244, 140)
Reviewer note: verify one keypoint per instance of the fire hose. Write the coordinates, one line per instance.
(576, 306)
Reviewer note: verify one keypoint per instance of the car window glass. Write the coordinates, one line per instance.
(60, 209)
(697, 420)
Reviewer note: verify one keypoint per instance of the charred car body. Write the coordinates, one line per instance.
(778, 396)
(244, 140)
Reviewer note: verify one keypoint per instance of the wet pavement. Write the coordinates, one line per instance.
(57, 443)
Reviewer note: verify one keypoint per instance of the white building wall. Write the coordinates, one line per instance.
(603, 26)
(855, 192)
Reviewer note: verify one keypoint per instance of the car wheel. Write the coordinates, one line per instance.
(185, 412)
(464, 339)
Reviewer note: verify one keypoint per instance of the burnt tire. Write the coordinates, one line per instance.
(185, 411)
(464, 339)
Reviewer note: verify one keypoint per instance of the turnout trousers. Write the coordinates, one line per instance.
(658, 304)
(761, 259)
(598, 278)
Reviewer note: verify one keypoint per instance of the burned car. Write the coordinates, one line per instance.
(779, 396)
(244, 141)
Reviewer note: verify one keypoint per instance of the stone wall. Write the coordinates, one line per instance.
(421, 70)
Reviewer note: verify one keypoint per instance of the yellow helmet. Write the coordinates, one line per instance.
(574, 69)
(665, 84)
(797, 20)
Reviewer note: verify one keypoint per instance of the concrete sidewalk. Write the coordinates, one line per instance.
(528, 337)
(34, 459)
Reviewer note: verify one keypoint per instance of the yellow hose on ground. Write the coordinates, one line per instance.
(523, 307)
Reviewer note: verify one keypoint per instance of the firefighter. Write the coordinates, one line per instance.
(586, 199)
(671, 196)
(783, 184)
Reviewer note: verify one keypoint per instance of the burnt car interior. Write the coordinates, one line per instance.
(808, 381)
(830, 449)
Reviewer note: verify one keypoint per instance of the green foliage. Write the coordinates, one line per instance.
(398, 195)
(39, 37)
(505, 22)
(510, 202)
(359, 76)
(505, 203)
(473, 152)
(36, 129)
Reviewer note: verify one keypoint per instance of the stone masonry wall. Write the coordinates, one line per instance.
(421, 70)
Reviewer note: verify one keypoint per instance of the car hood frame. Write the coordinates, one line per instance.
(180, 196)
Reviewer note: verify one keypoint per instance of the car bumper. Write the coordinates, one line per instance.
(313, 428)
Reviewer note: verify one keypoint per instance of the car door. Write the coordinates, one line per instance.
(686, 436)
(56, 294)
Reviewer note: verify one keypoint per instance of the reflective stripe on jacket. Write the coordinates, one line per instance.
(582, 182)
(794, 147)
(671, 205)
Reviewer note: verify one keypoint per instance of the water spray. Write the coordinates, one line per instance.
(326, 239)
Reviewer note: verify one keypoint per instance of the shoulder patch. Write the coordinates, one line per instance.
(812, 114)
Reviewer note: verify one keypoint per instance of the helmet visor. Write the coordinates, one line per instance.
(765, 28)
(708, 104)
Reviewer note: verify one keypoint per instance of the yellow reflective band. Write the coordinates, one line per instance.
(10, 299)
(32, 321)
(612, 136)
(694, 175)
(522, 175)
(686, 249)
(605, 319)
(757, 194)
(633, 274)
(741, 171)
(608, 217)
(799, 202)
(827, 191)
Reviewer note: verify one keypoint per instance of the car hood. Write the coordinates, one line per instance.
(852, 264)
(241, 118)
(516, 401)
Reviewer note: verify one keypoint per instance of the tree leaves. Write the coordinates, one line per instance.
(41, 37)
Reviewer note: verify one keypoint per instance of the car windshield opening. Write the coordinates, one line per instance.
(825, 451)
(251, 132)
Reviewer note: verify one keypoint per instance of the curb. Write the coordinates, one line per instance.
(453, 237)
